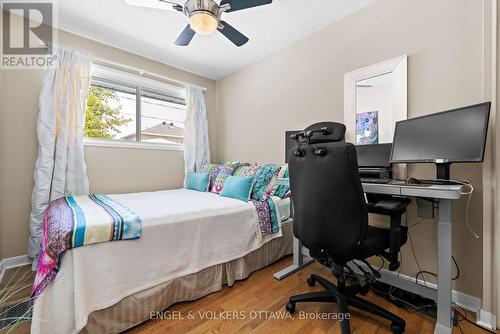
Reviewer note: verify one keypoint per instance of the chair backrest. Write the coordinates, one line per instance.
(330, 212)
(337, 132)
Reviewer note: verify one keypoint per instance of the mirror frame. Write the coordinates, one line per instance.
(399, 67)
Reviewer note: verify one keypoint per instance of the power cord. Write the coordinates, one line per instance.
(468, 184)
(415, 256)
(463, 316)
(422, 272)
(383, 263)
(469, 193)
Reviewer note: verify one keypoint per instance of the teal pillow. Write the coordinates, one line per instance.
(197, 181)
(263, 186)
(238, 187)
(281, 191)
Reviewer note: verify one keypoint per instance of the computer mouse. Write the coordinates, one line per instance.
(413, 180)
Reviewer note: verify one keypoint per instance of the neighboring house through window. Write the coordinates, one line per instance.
(126, 107)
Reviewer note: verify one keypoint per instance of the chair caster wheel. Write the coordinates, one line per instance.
(311, 282)
(290, 307)
(397, 328)
(364, 290)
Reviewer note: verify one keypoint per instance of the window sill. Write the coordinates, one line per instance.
(96, 142)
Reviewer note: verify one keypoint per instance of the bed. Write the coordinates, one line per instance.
(109, 287)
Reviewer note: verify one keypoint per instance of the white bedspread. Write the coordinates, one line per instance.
(183, 232)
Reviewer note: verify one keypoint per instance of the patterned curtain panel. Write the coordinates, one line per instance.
(60, 167)
(196, 145)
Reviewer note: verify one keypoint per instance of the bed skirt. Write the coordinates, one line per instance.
(136, 308)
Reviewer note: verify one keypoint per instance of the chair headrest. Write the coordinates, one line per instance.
(322, 132)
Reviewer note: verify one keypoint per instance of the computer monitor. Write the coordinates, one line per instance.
(374, 156)
(457, 135)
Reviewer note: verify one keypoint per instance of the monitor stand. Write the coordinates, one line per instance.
(442, 175)
(443, 171)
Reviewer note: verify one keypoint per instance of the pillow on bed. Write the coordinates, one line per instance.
(206, 167)
(279, 190)
(238, 187)
(227, 168)
(197, 181)
(247, 170)
(219, 183)
(263, 183)
(223, 170)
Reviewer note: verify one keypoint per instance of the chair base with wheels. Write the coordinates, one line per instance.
(344, 296)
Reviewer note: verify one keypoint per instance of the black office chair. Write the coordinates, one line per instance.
(326, 132)
(331, 220)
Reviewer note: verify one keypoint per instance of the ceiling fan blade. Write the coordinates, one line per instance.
(175, 5)
(156, 4)
(185, 37)
(232, 34)
(244, 4)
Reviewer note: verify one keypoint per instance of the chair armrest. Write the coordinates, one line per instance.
(394, 207)
(398, 237)
(389, 206)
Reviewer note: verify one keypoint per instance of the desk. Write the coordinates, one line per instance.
(445, 194)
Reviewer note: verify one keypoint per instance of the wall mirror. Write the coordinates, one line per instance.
(374, 100)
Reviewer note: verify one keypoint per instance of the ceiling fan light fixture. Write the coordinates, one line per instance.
(203, 23)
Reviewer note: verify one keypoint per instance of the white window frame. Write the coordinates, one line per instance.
(138, 84)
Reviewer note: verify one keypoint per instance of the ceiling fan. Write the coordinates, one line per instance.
(205, 16)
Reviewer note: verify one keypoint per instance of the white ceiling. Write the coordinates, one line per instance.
(151, 32)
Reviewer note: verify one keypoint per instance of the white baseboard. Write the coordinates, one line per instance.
(13, 262)
(487, 320)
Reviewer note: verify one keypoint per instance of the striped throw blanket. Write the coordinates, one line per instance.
(75, 221)
(267, 212)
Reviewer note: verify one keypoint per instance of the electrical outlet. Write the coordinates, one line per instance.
(425, 208)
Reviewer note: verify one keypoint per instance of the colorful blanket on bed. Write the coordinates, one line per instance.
(75, 221)
(267, 212)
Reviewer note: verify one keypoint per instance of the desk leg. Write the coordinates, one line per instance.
(444, 321)
(299, 261)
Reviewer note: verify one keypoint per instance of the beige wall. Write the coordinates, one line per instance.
(303, 83)
(110, 170)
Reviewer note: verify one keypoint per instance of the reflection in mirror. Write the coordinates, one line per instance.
(374, 109)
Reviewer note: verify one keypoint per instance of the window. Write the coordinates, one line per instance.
(133, 112)
(111, 111)
(162, 120)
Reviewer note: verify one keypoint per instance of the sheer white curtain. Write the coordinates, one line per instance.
(196, 145)
(60, 167)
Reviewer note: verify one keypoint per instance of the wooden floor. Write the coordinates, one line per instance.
(261, 292)
(258, 301)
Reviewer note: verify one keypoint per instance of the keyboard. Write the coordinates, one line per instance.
(375, 180)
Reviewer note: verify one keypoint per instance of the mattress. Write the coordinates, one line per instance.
(183, 232)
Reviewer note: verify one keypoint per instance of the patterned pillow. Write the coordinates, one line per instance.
(233, 164)
(263, 184)
(281, 191)
(247, 170)
(219, 183)
(206, 168)
(227, 169)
